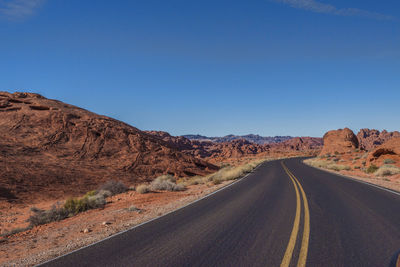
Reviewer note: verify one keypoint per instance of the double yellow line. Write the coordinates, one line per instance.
(296, 225)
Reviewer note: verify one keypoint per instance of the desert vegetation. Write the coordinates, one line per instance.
(97, 198)
(387, 169)
(326, 164)
(226, 173)
(91, 200)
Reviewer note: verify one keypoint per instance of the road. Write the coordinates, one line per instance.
(283, 214)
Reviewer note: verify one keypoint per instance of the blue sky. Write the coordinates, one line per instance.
(271, 67)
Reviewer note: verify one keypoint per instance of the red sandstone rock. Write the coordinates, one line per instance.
(388, 150)
(369, 139)
(339, 141)
(50, 149)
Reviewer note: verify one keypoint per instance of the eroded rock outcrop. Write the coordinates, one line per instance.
(369, 139)
(390, 150)
(339, 141)
(50, 149)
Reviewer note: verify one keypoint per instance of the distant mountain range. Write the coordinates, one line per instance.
(254, 138)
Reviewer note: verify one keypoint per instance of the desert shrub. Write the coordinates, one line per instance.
(46, 216)
(232, 173)
(194, 180)
(142, 189)
(336, 153)
(387, 170)
(388, 161)
(90, 193)
(372, 168)
(364, 163)
(357, 150)
(167, 183)
(358, 157)
(326, 165)
(216, 181)
(335, 159)
(104, 193)
(15, 231)
(115, 187)
(357, 167)
(133, 208)
(76, 205)
(338, 167)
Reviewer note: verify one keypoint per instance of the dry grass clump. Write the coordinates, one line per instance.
(142, 189)
(161, 183)
(326, 165)
(387, 170)
(40, 216)
(389, 161)
(115, 187)
(372, 168)
(166, 183)
(232, 173)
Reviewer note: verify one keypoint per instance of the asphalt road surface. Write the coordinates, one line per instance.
(283, 214)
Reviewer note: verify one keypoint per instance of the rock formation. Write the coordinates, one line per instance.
(50, 149)
(369, 139)
(339, 141)
(388, 150)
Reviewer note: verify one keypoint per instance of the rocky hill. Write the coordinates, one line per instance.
(50, 149)
(253, 138)
(236, 148)
(370, 139)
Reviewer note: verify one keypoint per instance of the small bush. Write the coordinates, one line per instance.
(335, 159)
(389, 161)
(387, 170)
(134, 208)
(46, 216)
(115, 187)
(142, 189)
(167, 183)
(336, 153)
(357, 167)
(326, 165)
(75, 205)
(90, 193)
(372, 168)
(104, 193)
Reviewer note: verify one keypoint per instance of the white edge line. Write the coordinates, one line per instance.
(136, 226)
(354, 179)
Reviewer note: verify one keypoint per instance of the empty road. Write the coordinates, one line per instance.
(283, 214)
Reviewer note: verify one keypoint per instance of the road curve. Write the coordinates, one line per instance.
(283, 214)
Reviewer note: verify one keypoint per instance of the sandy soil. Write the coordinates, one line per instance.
(54, 239)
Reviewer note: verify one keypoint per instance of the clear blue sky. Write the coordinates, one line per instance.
(271, 67)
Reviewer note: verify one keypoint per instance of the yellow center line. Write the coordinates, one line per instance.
(306, 229)
(293, 236)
